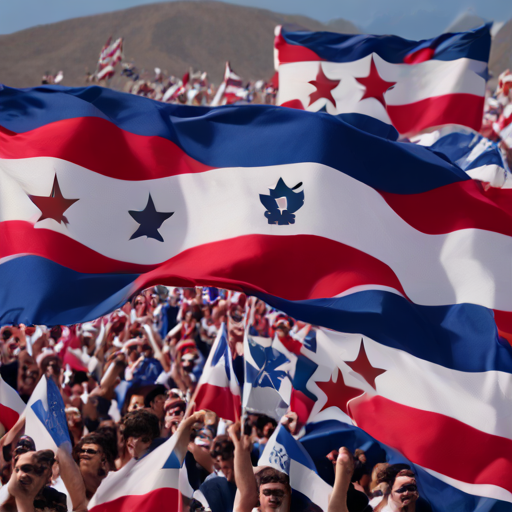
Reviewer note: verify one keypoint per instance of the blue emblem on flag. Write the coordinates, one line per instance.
(279, 457)
(282, 203)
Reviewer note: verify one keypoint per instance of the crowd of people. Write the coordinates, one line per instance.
(128, 380)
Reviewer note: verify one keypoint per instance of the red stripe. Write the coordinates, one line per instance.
(89, 142)
(19, 237)
(459, 108)
(287, 267)
(437, 442)
(438, 211)
(160, 499)
(270, 264)
(219, 400)
(8, 417)
(293, 53)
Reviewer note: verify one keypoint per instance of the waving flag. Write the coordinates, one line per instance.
(148, 484)
(11, 405)
(230, 90)
(110, 55)
(100, 225)
(413, 85)
(479, 157)
(284, 453)
(218, 389)
(45, 419)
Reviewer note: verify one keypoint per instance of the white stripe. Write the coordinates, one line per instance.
(10, 398)
(493, 174)
(478, 399)
(463, 266)
(413, 82)
(310, 484)
(139, 477)
(485, 490)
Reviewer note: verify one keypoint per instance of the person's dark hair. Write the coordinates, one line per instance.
(141, 423)
(262, 421)
(272, 476)
(103, 442)
(110, 436)
(389, 474)
(44, 458)
(159, 390)
(222, 447)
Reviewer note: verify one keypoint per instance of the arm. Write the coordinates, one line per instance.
(184, 431)
(344, 470)
(72, 478)
(244, 474)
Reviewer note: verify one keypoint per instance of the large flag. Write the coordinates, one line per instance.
(178, 195)
(284, 453)
(413, 85)
(218, 389)
(144, 485)
(11, 405)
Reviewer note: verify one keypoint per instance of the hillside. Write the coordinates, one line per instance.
(172, 36)
(501, 51)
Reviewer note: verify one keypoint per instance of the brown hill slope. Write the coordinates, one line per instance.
(501, 51)
(172, 36)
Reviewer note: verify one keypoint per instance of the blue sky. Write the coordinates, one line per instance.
(408, 18)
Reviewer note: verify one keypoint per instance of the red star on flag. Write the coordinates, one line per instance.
(54, 206)
(363, 366)
(375, 86)
(324, 86)
(338, 393)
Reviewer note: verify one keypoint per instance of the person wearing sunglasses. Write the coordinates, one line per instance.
(95, 460)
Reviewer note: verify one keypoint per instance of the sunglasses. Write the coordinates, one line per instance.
(88, 451)
(139, 303)
(278, 493)
(31, 469)
(405, 488)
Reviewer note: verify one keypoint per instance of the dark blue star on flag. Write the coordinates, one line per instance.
(150, 221)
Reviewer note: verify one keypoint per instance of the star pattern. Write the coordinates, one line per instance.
(375, 86)
(53, 206)
(324, 86)
(150, 221)
(338, 393)
(363, 366)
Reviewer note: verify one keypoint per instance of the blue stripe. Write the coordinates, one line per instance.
(458, 147)
(323, 437)
(461, 337)
(474, 44)
(244, 136)
(35, 290)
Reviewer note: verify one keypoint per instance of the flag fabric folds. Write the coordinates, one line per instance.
(218, 389)
(45, 419)
(413, 85)
(11, 405)
(230, 90)
(147, 484)
(172, 195)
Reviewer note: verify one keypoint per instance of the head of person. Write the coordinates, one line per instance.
(274, 490)
(265, 426)
(74, 419)
(174, 413)
(141, 427)
(136, 402)
(403, 490)
(223, 453)
(28, 374)
(94, 456)
(50, 364)
(155, 401)
(32, 471)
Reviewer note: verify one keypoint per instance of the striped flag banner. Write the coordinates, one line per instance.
(413, 85)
